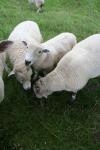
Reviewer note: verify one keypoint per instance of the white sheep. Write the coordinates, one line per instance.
(27, 31)
(38, 3)
(46, 56)
(74, 69)
(2, 66)
(23, 34)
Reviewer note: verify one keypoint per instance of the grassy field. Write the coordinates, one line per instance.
(24, 123)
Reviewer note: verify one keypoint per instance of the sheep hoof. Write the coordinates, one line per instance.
(40, 10)
(73, 98)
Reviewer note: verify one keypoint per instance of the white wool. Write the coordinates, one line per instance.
(57, 46)
(74, 69)
(2, 62)
(29, 32)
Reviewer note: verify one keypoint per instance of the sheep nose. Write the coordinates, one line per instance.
(27, 62)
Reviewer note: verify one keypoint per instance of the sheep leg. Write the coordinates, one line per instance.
(40, 9)
(73, 97)
(30, 6)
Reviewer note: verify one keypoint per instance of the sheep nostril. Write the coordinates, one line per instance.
(27, 62)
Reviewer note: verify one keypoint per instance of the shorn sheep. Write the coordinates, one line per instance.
(25, 33)
(46, 56)
(2, 66)
(38, 3)
(74, 69)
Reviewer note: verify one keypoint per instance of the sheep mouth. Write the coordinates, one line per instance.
(39, 94)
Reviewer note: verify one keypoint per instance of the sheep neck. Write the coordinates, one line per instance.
(44, 60)
(16, 53)
(54, 81)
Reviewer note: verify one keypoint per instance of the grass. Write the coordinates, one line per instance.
(24, 124)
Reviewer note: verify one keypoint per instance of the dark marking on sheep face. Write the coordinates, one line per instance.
(45, 51)
(25, 43)
(4, 45)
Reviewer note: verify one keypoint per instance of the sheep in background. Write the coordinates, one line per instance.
(38, 3)
(23, 34)
(46, 56)
(74, 69)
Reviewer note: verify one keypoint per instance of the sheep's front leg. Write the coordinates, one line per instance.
(40, 9)
(73, 97)
(30, 6)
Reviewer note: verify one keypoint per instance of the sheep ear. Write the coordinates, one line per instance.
(45, 51)
(11, 73)
(4, 45)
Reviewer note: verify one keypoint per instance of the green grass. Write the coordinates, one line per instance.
(24, 124)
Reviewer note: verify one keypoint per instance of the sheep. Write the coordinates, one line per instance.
(24, 34)
(46, 56)
(2, 66)
(73, 70)
(38, 3)
(27, 31)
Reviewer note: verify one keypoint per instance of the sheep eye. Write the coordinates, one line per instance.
(37, 87)
(39, 52)
(22, 80)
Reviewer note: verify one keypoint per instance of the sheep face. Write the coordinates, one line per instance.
(41, 90)
(32, 56)
(23, 75)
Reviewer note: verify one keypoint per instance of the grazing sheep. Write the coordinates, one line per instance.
(2, 63)
(74, 69)
(27, 31)
(38, 3)
(23, 34)
(48, 54)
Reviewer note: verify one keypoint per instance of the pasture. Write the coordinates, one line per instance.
(25, 122)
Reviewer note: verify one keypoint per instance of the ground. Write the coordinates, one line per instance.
(24, 123)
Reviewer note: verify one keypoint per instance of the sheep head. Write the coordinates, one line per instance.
(23, 75)
(40, 89)
(34, 54)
